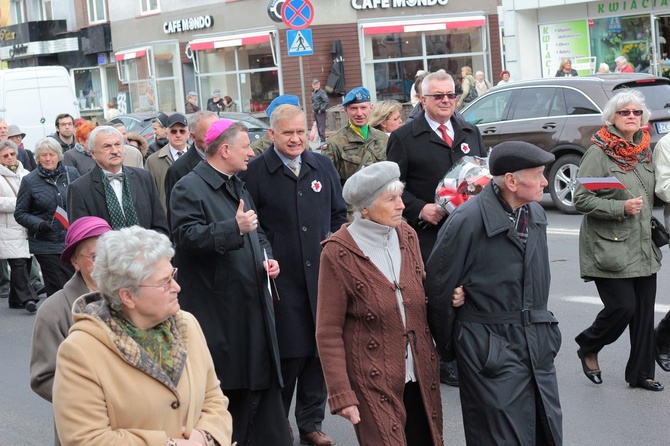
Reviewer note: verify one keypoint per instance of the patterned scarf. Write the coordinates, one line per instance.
(625, 154)
(360, 131)
(13, 167)
(81, 149)
(60, 169)
(157, 341)
(519, 217)
(120, 218)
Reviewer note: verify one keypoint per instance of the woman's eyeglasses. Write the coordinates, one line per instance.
(166, 285)
(628, 112)
(441, 96)
(9, 155)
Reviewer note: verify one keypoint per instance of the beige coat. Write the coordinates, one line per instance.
(13, 236)
(132, 157)
(158, 164)
(108, 392)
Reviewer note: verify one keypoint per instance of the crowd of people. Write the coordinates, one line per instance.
(198, 291)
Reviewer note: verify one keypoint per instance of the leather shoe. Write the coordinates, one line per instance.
(449, 374)
(31, 307)
(592, 374)
(649, 384)
(663, 357)
(317, 438)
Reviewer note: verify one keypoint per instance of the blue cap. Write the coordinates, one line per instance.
(356, 96)
(289, 99)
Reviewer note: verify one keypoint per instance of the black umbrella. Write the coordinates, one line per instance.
(335, 82)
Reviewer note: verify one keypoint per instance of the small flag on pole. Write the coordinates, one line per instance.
(61, 216)
(597, 183)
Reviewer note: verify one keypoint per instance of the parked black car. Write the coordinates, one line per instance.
(561, 115)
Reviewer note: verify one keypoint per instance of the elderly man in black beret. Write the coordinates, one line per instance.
(503, 336)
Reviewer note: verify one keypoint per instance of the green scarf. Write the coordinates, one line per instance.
(360, 131)
(120, 219)
(158, 341)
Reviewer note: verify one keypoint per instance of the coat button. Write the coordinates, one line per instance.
(300, 193)
(304, 229)
(175, 405)
(308, 263)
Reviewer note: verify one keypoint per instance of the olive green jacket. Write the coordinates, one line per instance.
(612, 244)
(350, 153)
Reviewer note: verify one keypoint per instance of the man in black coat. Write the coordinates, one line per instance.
(198, 124)
(425, 150)
(297, 211)
(504, 337)
(121, 195)
(221, 252)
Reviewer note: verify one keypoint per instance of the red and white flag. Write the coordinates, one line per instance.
(61, 216)
(597, 183)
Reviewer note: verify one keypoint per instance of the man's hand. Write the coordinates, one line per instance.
(458, 298)
(246, 221)
(432, 214)
(272, 267)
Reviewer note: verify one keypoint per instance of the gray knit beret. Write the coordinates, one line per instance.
(363, 187)
(510, 156)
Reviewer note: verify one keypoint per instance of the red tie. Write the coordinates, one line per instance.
(445, 136)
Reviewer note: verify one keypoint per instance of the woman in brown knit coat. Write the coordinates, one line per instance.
(378, 357)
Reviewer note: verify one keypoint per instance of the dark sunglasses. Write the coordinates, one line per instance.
(181, 131)
(628, 112)
(440, 96)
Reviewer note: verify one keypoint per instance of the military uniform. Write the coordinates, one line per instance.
(261, 145)
(350, 153)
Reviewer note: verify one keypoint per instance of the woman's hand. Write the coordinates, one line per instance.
(458, 297)
(632, 206)
(197, 438)
(351, 414)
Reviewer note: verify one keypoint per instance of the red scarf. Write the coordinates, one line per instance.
(625, 154)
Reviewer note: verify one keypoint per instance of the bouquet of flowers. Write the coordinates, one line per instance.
(463, 181)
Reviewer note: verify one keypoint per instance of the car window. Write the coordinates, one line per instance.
(657, 95)
(578, 104)
(490, 108)
(536, 103)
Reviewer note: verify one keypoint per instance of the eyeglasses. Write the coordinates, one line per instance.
(166, 285)
(91, 257)
(440, 96)
(9, 155)
(628, 112)
(180, 131)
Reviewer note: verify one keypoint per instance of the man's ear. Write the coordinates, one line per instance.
(272, 134)
(511, 182)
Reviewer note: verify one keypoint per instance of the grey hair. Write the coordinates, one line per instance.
(382, 112)
(105, 130)
(626, 96)
(126, 258)
(196, 117)
(227, 136)
(282, 112)
(8, 144)
(621, 59)
(500, 179)
(393, 187)
(48, 143)
(439, 75)
(2, 121)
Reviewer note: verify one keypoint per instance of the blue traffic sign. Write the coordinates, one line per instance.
(297, 14)
(299, 42)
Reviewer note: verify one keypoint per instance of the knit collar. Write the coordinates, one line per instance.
(370, 232)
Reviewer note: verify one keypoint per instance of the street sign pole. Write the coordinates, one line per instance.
(302, 85)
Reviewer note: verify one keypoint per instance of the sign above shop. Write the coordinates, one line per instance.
(297, 14)
(190, 24)
(274, 10)
(386, 4)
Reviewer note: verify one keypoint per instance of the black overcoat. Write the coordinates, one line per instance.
(424, 158)
(504, 337)
(223, 282)
(86, 197)
(296, 214)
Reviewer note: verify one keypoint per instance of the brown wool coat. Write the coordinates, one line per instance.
(361, 338)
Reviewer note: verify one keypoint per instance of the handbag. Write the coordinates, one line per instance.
(659, 234)
(472, 93)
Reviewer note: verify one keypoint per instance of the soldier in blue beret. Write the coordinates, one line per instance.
(260, 145)
(356, 145)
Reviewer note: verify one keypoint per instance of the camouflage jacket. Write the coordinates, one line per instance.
(350, 153)
(261, 145)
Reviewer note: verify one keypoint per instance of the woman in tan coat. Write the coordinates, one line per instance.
(378, 357)
(135, 370)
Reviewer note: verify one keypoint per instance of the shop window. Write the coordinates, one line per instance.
(627, 36)
(88, 86)
(150, 6)
(46, 10)
(96, 11)
(17, 10)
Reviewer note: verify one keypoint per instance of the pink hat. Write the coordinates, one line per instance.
(216, 129)
(80, 230)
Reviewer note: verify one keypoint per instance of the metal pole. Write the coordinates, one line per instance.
(302, 84)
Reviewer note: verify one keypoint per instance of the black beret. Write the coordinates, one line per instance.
(510, 156)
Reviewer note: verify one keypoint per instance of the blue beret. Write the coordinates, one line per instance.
(356, 96)
(289, 99)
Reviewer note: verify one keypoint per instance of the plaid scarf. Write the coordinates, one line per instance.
(625, 154)
(519, 217)
(120, 218)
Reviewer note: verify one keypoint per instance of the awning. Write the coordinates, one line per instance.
(391, 27)
(228, 41)
(130, 54)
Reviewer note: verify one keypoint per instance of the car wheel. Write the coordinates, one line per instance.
(563, 181)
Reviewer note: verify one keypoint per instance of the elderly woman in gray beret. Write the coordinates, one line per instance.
(378, 356)
(135, 369)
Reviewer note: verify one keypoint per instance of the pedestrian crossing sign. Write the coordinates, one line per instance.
(299, 42)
